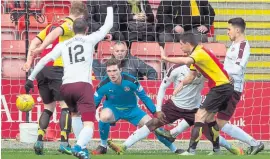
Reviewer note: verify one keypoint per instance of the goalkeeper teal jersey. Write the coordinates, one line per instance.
(122, 96)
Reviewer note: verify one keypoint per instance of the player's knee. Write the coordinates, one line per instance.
(75, 114)
(50, 106)
(63, 104)
(106, 116)
(88, 124)
(221, 123)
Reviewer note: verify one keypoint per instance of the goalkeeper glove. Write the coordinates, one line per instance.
(28, 86)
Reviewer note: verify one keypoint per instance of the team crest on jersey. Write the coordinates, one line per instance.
(127, 89)
(233, 49)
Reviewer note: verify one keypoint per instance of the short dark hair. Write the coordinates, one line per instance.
(113, 61)
(80, 25)
(238, 22)
(190, 38)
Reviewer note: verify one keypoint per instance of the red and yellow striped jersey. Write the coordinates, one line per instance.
(68, 33)
(209, 66)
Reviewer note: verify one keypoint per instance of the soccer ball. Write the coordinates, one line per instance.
(25, 102)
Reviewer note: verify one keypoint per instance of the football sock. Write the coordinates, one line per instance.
(166, 142)
(214, 134)
(137, 136)
(196, 134)
(85, 136)
(182, 126)
(239, 134)
(65, 124)
(77, 126)
(104, 129)
(43, 123)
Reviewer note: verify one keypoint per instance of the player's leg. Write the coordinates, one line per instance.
(234, 131)
(76, 123)
(55, 74)
(107, 116)
(80, 95)
(49, 106)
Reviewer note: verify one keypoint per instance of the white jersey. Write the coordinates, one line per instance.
(235, 63)
(77, 54)
(190, 96)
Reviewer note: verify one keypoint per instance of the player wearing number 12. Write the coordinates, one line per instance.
(77, 90)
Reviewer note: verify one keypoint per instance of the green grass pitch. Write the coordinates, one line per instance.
(132, 154)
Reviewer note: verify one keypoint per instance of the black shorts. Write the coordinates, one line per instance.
(173, 113)
(217, 98)
(227, 113)
(49, 82)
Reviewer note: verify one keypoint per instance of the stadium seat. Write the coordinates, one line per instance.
(173, 49)
(6, 23)
(31, 35)
(11, 68)
(145, 50)
(8, 35)
(157, 65)
(55, 12)
(218, 49)
(13, 48)
(34, 24)
(149, 52)
(105, 49)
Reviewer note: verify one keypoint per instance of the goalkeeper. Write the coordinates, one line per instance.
(121, 103)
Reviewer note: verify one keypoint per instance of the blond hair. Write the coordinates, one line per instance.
(78, 8)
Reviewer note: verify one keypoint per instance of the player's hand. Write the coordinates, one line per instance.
(36, 51)
(179, 29)
(162, 53)
(178, 88)
(26, 67)
(28, 86)
(202, 29)
(141, 17)
(108, 37)
(160, 115)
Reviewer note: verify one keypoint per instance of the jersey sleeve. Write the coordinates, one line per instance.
(98, 95)
(67, 28)
(145, 99)
(42, 35)
(244, 59)
(166, 82)
(197, 56)
(192, 67)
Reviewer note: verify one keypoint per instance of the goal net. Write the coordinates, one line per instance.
(252, 113)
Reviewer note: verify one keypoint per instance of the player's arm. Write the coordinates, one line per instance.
(177, 60)
(49, 39)
(144, 98)
(166, 82)
(54, 54)
(99, 94)
(104, 30)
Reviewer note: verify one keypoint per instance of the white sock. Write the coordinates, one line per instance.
(224, 143)
(239, 134)
(85, 136)
(139, 134)
(182, 126)
(77, 126)
(104, 143)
